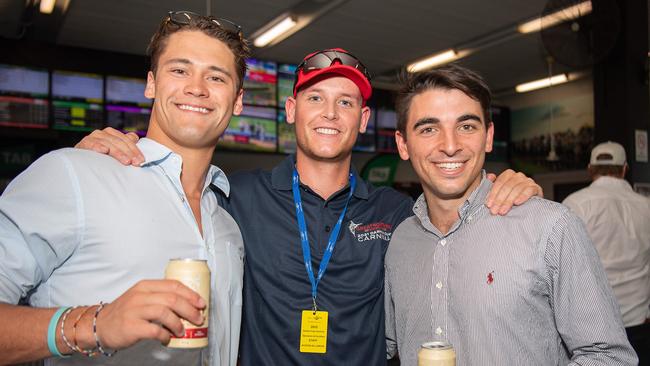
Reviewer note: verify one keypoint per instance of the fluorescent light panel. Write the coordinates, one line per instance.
(47, 6)
(543, 83)
(560, 16)
(274, 32)
(434, 60)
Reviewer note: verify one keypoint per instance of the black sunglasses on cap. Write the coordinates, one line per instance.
(183, 17)
(325, 59)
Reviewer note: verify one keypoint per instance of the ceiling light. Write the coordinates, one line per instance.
(275, 31)
(47, 6)
(560, 16)
(433, 60)
(543, 83)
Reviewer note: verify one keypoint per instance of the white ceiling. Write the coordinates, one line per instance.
(384, 34)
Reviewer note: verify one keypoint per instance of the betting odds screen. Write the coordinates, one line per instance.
(127, 109)
(77, 100)
(23, 97)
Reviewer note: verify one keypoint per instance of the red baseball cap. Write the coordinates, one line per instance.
(337, 67)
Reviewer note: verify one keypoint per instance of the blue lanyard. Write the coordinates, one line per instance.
(306, 252)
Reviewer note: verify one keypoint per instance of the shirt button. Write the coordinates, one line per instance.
(443, 242)
(327, 229)
(439, 285)
(469, 219)
(438, 331)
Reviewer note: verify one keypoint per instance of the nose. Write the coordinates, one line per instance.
(196, 87)
(330, 111)
(450, 144)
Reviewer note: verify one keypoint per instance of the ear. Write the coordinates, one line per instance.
(239, 103)
(489, 138)
(365, 117)
(403, 150)
(150, 89)
(290, 109)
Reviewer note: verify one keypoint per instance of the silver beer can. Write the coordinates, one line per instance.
(436, 354)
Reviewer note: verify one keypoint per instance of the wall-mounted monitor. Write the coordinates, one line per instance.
(386, 125)
(127, 109)
(366, 141)
(23, 97)
(260, 83)
(77, 100)
(254, 130)
(286, 77)
(286, 134)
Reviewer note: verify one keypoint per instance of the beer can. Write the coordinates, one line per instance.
(436, 354)
(195, 274)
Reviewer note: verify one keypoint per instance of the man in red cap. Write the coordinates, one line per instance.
(315, 233)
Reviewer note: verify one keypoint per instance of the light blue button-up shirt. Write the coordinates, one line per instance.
(77, 228)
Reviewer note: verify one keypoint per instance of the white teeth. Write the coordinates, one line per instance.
(449, 166)
(327, 131)
(193, 109)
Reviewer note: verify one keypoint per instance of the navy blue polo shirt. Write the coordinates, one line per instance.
(276, 286)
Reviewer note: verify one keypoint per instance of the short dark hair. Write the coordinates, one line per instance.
(448, 77)
(235, 42)
(606, 170)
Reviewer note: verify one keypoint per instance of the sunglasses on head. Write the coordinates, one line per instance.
(182, 17)
(326, 58)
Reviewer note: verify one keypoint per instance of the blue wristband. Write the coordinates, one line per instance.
(51, 332)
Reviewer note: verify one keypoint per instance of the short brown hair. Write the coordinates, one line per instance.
(608, 170)
(235, 42)
(448, 77)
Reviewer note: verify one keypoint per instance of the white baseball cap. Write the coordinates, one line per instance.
(608, 153)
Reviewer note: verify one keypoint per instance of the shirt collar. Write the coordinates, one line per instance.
(156, 153)
(607, 181)
(473, 203)
(281, 177)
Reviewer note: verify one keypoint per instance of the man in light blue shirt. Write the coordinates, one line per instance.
(79, 228)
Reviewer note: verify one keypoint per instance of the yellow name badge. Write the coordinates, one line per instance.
(313, 332)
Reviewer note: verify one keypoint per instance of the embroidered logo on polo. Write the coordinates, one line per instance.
(368, 232)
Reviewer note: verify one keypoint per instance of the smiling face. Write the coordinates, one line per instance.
(446, 138)
(195, 89)
(328, 116)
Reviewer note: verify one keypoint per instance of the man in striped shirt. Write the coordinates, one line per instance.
(521, 289)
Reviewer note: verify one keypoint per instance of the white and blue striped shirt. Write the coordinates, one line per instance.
(522, 289)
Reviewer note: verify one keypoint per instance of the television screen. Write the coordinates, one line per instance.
(366, 141)
(259, 83)
(251, 131)
(127, 109)
(23, 97)
(77, 100)
(386, 125)
(286, 77)
(286, 134)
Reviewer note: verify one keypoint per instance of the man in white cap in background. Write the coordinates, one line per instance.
(618, 221)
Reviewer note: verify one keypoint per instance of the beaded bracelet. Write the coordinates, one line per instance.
(88, 352)
(99, 346)
(65, 316)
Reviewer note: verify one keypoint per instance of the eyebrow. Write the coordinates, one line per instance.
(433, 120)
(188, 62)
(468, 117)
(425, 121)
